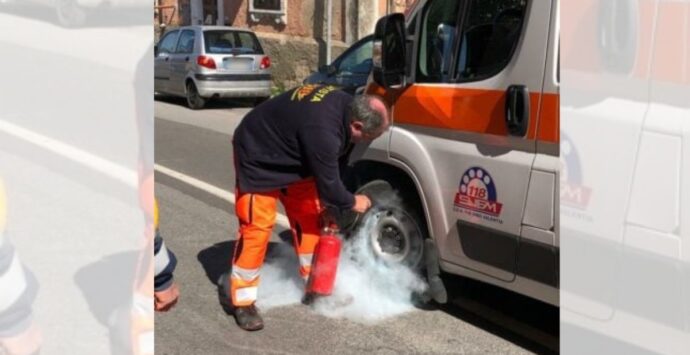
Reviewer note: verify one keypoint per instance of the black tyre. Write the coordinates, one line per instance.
(398, 233)
(194, 100)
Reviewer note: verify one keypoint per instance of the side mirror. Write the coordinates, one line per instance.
(389, 51)
(155, 50)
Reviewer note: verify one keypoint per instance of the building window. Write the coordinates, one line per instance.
(271, 5)
(276, 9)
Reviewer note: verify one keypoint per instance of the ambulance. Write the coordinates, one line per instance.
(473, 148)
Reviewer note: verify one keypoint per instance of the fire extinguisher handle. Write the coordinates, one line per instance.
(330, 230)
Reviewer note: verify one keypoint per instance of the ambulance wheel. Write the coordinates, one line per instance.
(397, 232)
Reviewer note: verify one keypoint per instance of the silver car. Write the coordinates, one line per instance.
(204, 62)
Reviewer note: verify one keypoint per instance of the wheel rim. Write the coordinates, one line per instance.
(393, 238)
(192, 95)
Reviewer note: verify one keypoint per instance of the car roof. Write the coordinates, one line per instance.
(206, 27)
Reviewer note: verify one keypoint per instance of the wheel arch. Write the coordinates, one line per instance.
(187, 80)
(401, 178)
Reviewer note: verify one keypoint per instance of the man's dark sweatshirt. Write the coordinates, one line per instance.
(302, 133)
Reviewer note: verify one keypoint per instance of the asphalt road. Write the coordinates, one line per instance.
(198, 224)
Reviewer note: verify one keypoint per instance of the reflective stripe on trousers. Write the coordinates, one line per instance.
(256, 213)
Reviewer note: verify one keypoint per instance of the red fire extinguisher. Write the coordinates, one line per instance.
(324, 265)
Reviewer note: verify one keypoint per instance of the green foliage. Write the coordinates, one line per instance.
(277, 89)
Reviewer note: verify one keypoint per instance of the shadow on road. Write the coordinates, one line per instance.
(107, 286)
(526, 322)
(216, 261)
(104, 290)
(211, 104)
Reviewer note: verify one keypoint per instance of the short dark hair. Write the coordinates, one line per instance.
(361, 111)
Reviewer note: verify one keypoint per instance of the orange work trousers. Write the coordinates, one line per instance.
(257, 214)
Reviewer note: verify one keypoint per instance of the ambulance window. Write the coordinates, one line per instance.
(438, 31)
(491, 31)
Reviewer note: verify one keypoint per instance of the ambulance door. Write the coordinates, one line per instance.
(466, 125)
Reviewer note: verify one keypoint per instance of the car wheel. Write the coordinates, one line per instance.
(194, 100)
(70, 13)
(397, 233)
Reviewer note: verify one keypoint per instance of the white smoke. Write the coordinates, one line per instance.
(280, 284)
(366, 290)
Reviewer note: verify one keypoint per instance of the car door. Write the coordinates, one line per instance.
(470, 58)
(181, 61)
(354, 66)
(161, 64)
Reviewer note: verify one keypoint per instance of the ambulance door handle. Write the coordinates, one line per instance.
(517, 110)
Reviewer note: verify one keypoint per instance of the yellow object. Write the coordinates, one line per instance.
(155, 213)
(3, 206)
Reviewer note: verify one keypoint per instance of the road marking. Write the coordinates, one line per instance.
(104, 166)
(281, 219)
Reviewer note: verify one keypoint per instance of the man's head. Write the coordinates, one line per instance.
(368, 118)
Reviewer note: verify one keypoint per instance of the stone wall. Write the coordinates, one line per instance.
(294, 58)
(305, 18)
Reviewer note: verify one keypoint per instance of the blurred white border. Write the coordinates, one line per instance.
(625, 186)
(76, 157)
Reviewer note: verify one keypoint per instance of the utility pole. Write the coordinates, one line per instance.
(329, 12)
(196, 12)
(220, 21)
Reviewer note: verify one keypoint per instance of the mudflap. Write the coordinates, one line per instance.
(437, 290)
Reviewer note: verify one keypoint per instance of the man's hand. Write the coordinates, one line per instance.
(362, 203)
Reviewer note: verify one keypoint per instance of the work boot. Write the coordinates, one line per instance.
(248, 318)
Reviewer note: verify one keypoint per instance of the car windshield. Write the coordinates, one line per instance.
(358, 61)
(231, 42)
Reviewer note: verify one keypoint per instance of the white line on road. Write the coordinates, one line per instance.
(281, 219)
(104, 166)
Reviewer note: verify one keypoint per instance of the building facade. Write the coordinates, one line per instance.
(293, 32)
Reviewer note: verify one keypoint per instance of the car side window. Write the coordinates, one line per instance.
(438, 29)
(358, 61)
(186, 42)
(490, 34)
(167, 44)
